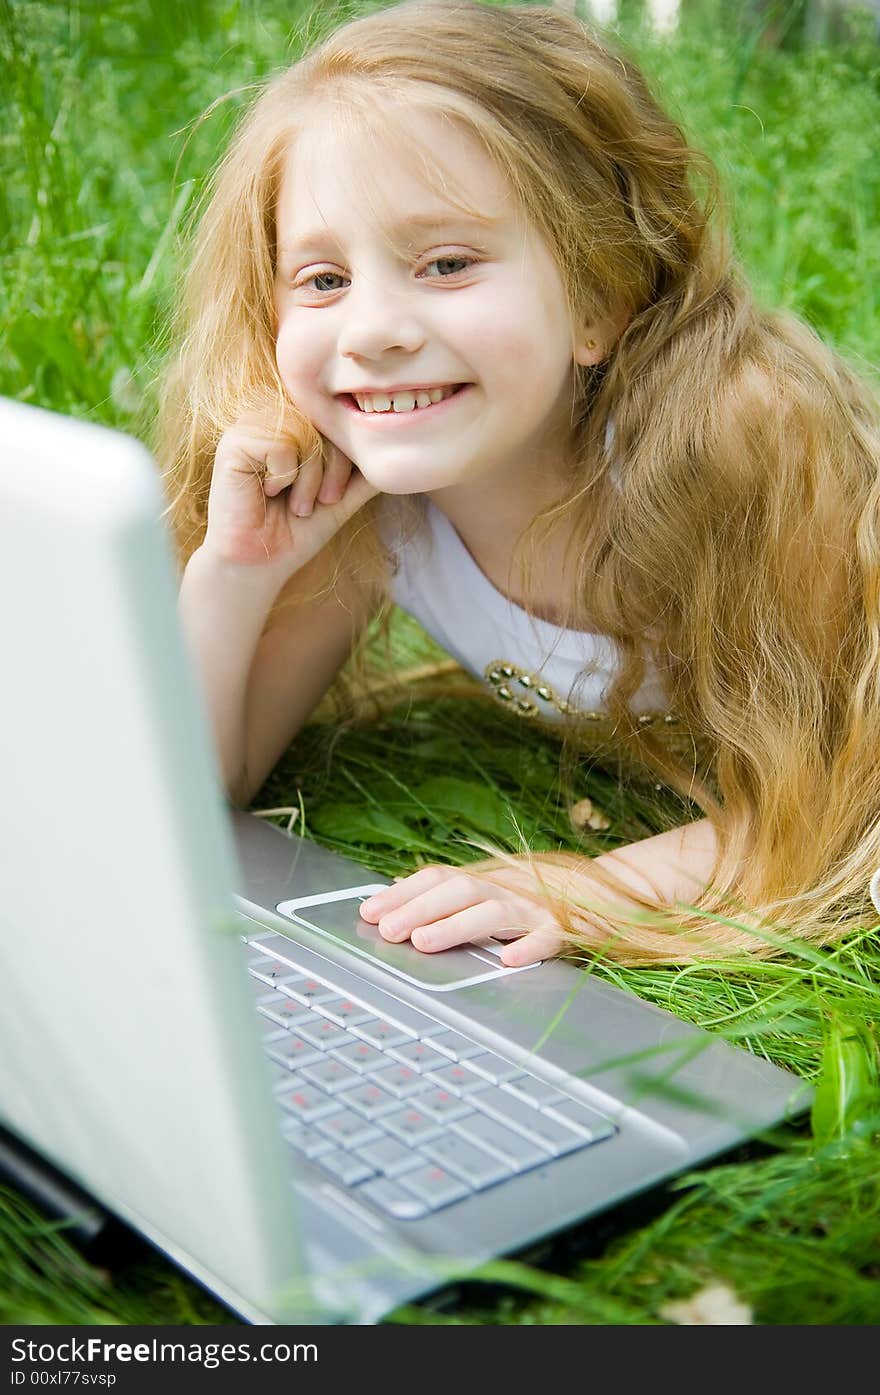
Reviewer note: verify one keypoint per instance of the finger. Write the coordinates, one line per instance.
(337, 471)
(308, 482)
(542, 943)
(403, 890)
(278, 469)
(357, 493)
(452, 894)
(473, 923)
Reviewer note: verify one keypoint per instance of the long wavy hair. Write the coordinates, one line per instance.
(728, 519)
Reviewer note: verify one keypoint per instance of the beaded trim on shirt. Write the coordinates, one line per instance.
(504, 677)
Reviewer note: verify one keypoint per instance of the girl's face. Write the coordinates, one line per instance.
(384, 287)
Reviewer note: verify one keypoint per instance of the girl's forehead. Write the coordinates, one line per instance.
(415, 165)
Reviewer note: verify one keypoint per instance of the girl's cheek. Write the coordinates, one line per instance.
(505, 341)
(302, 371)
(288, 360)
(299, 353)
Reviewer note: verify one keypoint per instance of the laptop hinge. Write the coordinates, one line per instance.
(88, 1226)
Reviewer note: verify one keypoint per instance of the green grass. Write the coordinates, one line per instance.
(101, 162)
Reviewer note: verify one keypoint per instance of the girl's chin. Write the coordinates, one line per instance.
(399, 481)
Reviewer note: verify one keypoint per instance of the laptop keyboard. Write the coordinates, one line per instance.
(411, 1115)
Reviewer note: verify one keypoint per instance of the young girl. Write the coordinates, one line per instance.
(459, 334)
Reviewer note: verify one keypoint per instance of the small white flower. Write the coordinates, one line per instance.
(713, 1306)
(584, 814)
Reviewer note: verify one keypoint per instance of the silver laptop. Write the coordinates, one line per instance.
(197, 1027)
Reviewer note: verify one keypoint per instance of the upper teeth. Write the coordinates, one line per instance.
(401, 401)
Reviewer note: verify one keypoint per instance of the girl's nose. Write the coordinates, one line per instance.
(376, 321)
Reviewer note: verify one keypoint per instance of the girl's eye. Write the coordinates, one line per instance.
(445, 263)
(319, 280)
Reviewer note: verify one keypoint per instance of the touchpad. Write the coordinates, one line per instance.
(337, 916)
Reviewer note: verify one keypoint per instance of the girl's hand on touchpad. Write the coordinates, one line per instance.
(438, 907)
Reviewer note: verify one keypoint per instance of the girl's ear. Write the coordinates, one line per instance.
(598, 338)
(590, 349)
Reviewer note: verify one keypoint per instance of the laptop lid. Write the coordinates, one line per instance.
(118, 943)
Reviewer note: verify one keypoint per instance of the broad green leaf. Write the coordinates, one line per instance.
(352, 823)
(465, 805)
(848, 1087)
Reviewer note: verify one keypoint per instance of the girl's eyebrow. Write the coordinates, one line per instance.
(421, 222)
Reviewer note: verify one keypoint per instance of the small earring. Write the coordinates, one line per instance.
(591, 343)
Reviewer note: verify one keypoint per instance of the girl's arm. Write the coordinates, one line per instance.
(268, 530)
(261, 685)
(670, 868)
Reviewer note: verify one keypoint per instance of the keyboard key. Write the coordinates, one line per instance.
(411, 1126)
(401, 1080)
(305, 1139)
(292, 1051)
(541, 1128)
(511, 1147)
(309, 991)
(378, 1032)
(347, 1128)
(388, 1156)
(473, 1165)
(361, 1056)
(331, 1075)
(458, 1078)
(390, 1197)
(319, 1031)
(493, 1067)
(419, 1055)
(260, 988)
(278, 1076)
(533, 1090)
(285, 1011)
(344, 1012)
(306, 1101)
(434, 1185)
(408, 1019)
(455, 1046)
(443, 1105)
(271, 971)
(368, 1099)
(589, 1122)
(345, 1167)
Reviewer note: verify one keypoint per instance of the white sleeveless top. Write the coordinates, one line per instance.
(528, 664)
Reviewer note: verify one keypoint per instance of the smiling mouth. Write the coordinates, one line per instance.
(401, 405)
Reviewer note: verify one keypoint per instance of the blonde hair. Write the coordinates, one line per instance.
(728, 521)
